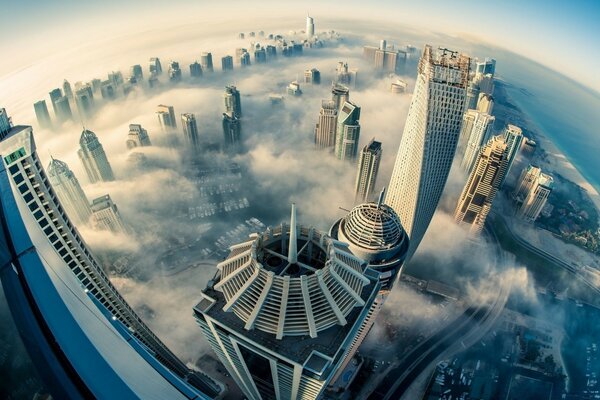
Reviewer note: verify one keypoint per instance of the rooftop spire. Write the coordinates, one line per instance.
(381, 197)
(293, 245)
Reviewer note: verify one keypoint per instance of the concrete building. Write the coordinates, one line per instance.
(476, 130)
(166, 117)
(227, 63)
(137, 137)
(368, 167)
(310, 27)
(195, 70)
(190, 131)
(42, 114)
(484, 181)
(348, 132)
(174, 72)
(206, 62)
(69, 192)
(105, 215)
(312, 76)
(154, 66)
(232, 101)
(429, 140)
(536, 199)
(83, 338)
(285, 310)
(92, 156)
(293, 89)
(327, 126)
(513, 136)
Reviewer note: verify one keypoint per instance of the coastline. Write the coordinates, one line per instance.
(549, 157)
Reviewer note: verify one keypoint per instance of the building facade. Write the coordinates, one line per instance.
(69, 191)
(536, 198)
(327, 126)
(190, 131)
(166, 117)
(476, 130)
(106, 216)
(137, 137)
(368, 168)
(94, 160)
(348, 132)
(429, 140)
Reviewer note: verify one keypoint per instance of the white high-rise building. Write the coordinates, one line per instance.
(106, 215)
(429, 140)
(166, 117)
(348, 132)
(476, 130)
(527, 180)
(93, 158)
(513, 136)
(327, 125)
(536, 198)
(137, 137)
(310, 27)
(69, 191)
(368, 167)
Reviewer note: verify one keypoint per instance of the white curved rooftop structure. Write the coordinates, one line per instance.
(291, 282)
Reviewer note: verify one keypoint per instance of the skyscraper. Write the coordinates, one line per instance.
(245, 59)
(232, 101)
(345, 76)
(485, 103)
(137, 72)
(348, 132)
(327, 125)
(137, 137)
(105, 215)
(484, 181)
(340, 94)
(195, 69)
(285, 310)
(232, 130)
(312, 76)
(513, 136)
(476, 130)
(384, 58)
(166, 117)
(155, 68)
(174, 72)
(5, 123)
(260, 55)
(69, 191)
(293, 89)
(227, 63)
(536, 198)
(84, 99)
(63, 109)
(93, 158)
(206, 62)
(429, 140)
(190, 131)
(67, 89)
(55, 94)
(368, 167)
(42, 114)
(83, 337)
(527, 181)
(310, 27)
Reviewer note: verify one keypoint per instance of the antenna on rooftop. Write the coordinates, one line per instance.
(293, 245)
(381, 197)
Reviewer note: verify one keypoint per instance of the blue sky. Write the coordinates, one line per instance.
(560, 34)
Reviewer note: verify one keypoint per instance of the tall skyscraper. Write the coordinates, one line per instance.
(84, 99)
(527, 181)
(476, 130)
(190, 131)
(227, 63)
(260, 55)
(42, 114)
(384, 58)
(485, 103)
(429, 140)
(484, 181)
(285, 311)
(327, 125)
(340, 94)
(63, 109)
(155, 68)
(513, 136)
(345, 76)
(83, 337)
(174, 72)
(310, 27)
(206, 62)
(137, 137)
(195, 69)
(67, 89)
(245, 59)
(536, 198)
(487, 66)
(55, 94)
(5, 123)
(69, 191)
(232, 101)
(166, 117)
(312, 76)
(293, 89)
(232, 130)
(105, 215)
(368, 167)
(348, 132)
(137, 72)
(93, 158)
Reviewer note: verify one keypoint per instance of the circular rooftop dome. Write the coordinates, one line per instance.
(292, 284)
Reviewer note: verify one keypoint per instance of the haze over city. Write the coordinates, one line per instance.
(262, 186)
